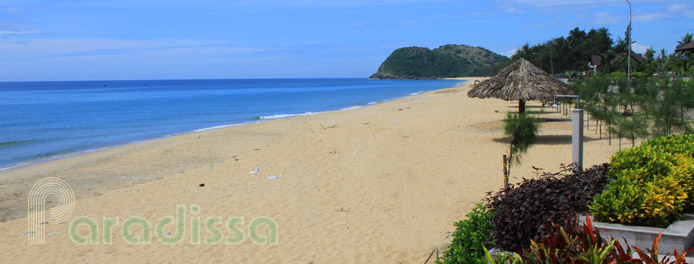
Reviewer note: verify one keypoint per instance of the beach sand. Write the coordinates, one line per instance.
(379, 184)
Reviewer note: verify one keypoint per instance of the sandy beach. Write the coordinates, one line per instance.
(378, 184)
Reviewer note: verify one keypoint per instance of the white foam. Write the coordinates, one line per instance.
(214, 127)
(352, 107)
(279, 116)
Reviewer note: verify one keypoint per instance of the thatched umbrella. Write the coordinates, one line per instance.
(521, 81)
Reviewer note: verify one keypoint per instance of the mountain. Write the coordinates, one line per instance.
(444, 61)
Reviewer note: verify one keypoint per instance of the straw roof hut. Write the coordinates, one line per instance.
(686, 47)
(521, 81)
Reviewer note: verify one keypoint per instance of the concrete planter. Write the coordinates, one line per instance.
(680, 234)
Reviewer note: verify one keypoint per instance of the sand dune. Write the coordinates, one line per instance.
(379, 184)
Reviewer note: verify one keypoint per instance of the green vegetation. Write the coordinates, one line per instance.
(526, 212)
(647, 107)
(520, 223)
(445, 61)
(573, 52)
(470, 238)
(652, 184)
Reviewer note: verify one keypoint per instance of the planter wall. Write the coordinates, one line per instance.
(680, 234)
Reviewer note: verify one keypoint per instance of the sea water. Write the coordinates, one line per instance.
(48, 120)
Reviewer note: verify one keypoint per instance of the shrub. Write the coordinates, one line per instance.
(571, 244)
(471, 237)
(526, 212)
(652, 184)
(673, 144)
(655, 203)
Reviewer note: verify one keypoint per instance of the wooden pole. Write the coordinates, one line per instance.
(505, 171)
(521, 106)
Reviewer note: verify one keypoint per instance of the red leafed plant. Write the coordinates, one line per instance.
(571, 244)
(652, 256)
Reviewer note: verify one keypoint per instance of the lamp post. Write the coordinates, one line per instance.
(629, 52)
(577, 132)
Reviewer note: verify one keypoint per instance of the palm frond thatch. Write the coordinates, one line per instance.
(520, 81)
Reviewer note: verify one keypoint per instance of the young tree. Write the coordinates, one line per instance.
(649, 65)
(666, 113)
(632, 127)
(522, 128)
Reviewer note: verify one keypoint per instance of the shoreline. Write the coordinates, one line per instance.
(257, 119)
(376, 184)
(68, 161)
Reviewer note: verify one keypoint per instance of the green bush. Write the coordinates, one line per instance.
(683, 144)
(652, 184)
(470, 238)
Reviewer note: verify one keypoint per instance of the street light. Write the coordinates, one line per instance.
(629, 52)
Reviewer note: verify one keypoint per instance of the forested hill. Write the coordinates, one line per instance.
(444, 61)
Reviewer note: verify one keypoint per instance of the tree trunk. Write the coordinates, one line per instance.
(609, 133)
(521, 106)
(633, 138)
(510, 160)
(505, 171)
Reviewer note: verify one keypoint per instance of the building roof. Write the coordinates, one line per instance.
(685, 47)
(636, 56)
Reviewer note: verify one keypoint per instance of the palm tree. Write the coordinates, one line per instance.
(685, 39)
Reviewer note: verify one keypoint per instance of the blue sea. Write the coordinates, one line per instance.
(48, 120)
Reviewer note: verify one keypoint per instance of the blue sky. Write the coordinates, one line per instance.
(185, 39)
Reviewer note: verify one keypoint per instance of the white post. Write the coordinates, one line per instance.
(577, 138)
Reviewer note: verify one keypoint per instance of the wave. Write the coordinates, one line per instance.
(215, 127)
(49, 156)
(15, 142)
(352, 107)
(280, 116)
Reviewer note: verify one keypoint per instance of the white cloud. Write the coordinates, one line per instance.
(12, 9)
(5, 32)
(650, 16)
(236, 3)
(638, 48)
(607, 19)
(510, 53)
(686, 10)
(7, 29)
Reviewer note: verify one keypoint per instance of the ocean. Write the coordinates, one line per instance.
(42, 121)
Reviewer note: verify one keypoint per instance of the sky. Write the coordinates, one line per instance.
(235, 39)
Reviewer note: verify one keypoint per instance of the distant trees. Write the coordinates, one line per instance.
(573, 53)
(570, 53)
